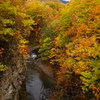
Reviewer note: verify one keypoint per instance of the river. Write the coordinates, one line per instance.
(40, 82)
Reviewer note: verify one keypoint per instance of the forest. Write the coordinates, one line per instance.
(69, 38)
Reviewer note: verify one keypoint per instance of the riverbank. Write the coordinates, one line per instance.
(45, 67)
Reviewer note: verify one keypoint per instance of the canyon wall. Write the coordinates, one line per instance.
(11, 79)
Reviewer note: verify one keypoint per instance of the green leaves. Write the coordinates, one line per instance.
(28, 22)
(7, 8)
(3, 67)
(91, 77)
(7, 21)
(8, 31)
(95, 63)
(61, 40)
(45, 48)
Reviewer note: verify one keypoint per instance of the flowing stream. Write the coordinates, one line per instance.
(39, 79)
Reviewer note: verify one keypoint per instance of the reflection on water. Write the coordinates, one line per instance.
(33, 85)
(38, 84)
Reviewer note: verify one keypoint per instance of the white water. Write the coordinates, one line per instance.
(33, 55)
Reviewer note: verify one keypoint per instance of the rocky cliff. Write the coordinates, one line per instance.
(11, 79)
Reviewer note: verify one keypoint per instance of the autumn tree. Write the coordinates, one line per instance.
(15, 26)
(76, 49)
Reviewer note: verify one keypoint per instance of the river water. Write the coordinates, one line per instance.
(39, 79)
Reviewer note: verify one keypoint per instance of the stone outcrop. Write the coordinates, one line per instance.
(11, 80)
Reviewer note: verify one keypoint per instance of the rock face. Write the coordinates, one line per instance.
(11, 80)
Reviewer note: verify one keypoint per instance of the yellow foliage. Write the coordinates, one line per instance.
(22, 47)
